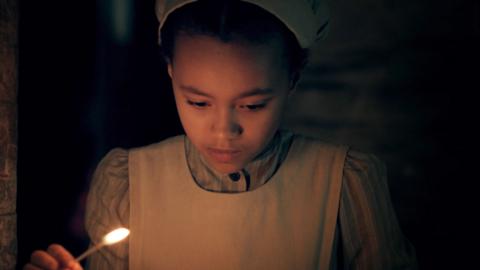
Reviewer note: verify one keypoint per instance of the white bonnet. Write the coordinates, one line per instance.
(307, 19)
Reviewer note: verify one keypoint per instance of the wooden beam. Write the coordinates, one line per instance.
(8, 132)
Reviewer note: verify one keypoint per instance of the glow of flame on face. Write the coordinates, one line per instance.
(115, 236)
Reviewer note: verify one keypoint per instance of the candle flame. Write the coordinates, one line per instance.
(115, 236)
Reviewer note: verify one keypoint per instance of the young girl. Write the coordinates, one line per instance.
(237, 192)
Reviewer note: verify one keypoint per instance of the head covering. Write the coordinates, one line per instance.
(307, 19)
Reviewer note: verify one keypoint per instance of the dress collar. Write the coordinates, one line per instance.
(254, 175)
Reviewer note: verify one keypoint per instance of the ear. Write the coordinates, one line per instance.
(169, 69)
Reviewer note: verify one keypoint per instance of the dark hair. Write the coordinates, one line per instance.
(229, 21)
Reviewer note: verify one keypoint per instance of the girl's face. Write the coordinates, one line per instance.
(230, 96)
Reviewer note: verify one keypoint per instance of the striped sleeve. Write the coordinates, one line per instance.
(371, 237)
(108, 208)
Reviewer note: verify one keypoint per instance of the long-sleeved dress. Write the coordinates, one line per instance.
(366, 231)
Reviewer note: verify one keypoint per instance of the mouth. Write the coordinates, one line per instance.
(223, 155)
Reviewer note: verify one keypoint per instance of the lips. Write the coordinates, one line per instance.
(223, 155)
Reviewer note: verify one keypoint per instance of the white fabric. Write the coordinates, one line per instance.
(288, 223)
(307, 19)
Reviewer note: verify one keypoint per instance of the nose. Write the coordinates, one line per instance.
(225, 124)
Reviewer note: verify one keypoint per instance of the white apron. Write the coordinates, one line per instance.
(288, 223)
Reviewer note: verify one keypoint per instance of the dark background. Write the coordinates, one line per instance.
(396, 78)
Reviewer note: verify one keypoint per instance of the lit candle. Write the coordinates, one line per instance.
(110, 238)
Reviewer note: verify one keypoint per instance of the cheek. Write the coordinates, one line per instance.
(186, 118)
(190, 121)
(261, 127)
(192, 127)
(262, 122)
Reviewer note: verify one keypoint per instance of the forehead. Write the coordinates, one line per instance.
(208, 62)
(205, 46)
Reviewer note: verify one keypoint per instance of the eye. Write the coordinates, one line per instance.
(197, 104)
(254, 107)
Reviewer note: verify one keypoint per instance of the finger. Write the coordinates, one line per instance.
(30, 266)
(61, 254)
(65, 258)
(43, 260)
(74, 265)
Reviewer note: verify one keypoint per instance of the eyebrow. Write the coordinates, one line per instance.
(249, 93)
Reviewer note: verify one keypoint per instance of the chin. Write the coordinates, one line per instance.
(227, 168)
(225, 164)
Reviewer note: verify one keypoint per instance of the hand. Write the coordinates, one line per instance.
(54, 258)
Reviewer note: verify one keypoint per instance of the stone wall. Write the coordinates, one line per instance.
(8, 146)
